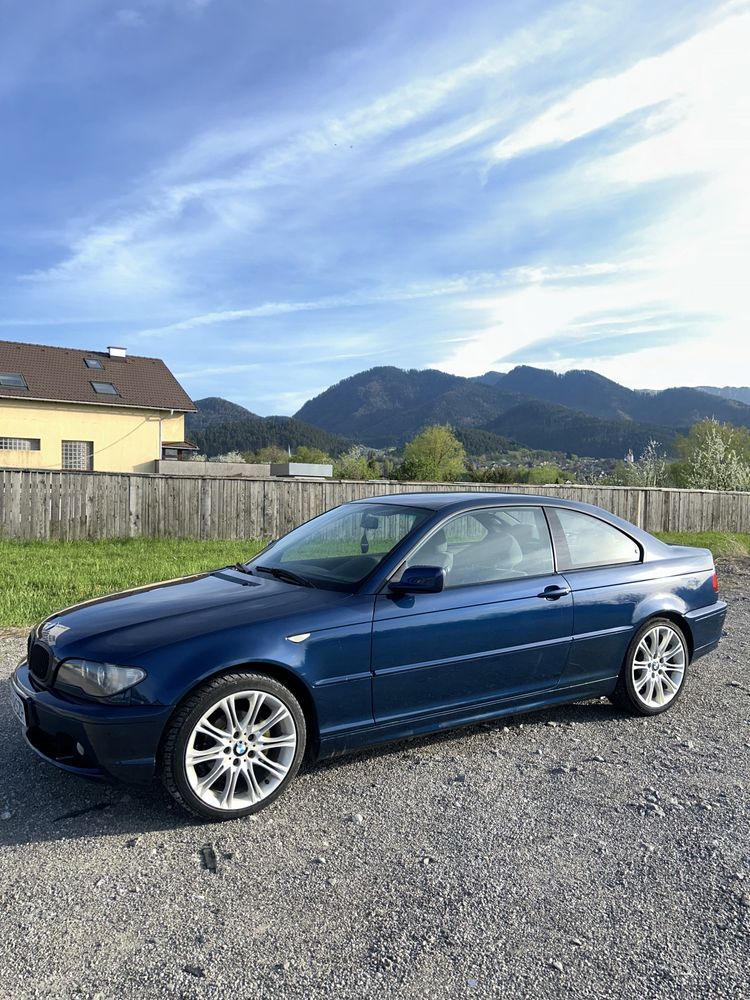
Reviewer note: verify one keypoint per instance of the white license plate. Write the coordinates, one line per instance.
(19, 708)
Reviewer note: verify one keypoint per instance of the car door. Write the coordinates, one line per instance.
(604, 569)
(500, 629)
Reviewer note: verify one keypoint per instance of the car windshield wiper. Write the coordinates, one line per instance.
(285, 574)
(243, 568)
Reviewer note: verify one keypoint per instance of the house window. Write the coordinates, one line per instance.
(13, 379)
(105, 389)
(179, 451)
(19, 444)
(78, 455)
(93, 363)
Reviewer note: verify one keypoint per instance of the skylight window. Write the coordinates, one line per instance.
(105, 389)
(13, 379)
(93, 363)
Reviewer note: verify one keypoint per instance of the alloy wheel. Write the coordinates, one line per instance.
(240, 750)
(658, 667)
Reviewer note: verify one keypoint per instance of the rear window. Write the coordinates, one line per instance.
(584, 541)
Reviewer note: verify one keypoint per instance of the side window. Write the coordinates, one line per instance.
(488, 545)
(586, 541)
(464, 530)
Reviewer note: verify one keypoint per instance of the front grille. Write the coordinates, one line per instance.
(40, 660)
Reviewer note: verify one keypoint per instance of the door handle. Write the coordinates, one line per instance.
(554, 593)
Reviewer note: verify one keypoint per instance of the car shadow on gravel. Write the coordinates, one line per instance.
(598, 712)
(38, 803)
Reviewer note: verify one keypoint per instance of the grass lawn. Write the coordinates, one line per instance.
(723, 544)
(41, 577)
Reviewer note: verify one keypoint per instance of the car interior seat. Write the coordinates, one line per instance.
(434, 553)
(501, 551)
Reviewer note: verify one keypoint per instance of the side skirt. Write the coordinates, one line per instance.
(336, 743)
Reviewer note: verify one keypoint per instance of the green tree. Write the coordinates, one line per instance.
(706, 432)
(493, 474)
(273, 453)
(714, 457)
(354, 464)
(434, 455)
(391, 469)
(651, 469)
(542, 475)
(311, 456)
(619, 476)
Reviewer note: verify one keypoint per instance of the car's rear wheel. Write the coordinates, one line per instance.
(654, 671)
(234, 746)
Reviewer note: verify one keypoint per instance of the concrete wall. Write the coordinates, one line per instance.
(125, 440)
(307, 469)
(222, 470)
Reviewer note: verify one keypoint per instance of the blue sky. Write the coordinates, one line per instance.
(272, 195)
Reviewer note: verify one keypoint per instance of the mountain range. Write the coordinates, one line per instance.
(580, 412)
(220, 426)
(738, 392)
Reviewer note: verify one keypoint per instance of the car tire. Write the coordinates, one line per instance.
(654, 672)
(233, 746)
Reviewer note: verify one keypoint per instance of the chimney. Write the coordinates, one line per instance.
(118, 352)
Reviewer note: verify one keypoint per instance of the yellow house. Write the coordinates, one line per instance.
(87, 410)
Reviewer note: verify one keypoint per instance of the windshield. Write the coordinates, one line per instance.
(340, 548)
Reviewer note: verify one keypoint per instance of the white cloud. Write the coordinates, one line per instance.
(459, 284)
(189, 373)
(177, 242)
(692, 257)
(228, 170)
(681, 72)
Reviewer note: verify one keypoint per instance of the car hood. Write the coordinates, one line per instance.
(124, 625)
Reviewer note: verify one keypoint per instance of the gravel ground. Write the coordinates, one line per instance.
(573, 852)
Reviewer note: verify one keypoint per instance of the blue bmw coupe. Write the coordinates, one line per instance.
(379, 620)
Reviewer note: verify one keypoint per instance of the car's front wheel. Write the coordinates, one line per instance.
(653, 674)
(233, 746)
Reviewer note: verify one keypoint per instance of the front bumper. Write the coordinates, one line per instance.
(93, 740)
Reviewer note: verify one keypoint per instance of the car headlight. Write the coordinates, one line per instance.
(98, 680)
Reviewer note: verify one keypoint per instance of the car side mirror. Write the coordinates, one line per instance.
(419, 580)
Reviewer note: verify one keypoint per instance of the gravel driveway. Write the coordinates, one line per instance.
(573, 852)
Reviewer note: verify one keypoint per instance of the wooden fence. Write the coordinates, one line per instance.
(75, 505)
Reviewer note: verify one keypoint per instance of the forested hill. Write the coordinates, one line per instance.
(216, 435)
(595, 416)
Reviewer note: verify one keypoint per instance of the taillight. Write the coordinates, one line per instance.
(716, 583)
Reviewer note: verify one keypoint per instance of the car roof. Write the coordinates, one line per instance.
(464, 498)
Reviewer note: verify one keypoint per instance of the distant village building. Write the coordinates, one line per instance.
(630, 457)
(89, 410)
